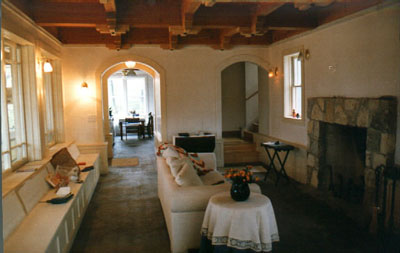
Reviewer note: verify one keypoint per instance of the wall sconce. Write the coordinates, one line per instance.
(84, 85)
(304, 55)
(130, 64)
(47, 68)
(273, 72)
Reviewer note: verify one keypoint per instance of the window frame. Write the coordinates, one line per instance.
(287, 100)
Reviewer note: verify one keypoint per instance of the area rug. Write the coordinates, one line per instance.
(124, 162)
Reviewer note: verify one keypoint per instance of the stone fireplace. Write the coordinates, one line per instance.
(347, 139)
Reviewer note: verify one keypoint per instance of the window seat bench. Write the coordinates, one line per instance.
(32, 225)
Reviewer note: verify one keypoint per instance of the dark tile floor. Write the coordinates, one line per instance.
(125, 214)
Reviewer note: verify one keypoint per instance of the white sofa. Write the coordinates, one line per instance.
(184, 207)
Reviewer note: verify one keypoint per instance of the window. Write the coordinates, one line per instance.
(127, 94)
(293, 86)
(49, 129)
(13, 142)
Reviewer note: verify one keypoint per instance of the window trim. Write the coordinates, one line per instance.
(287, 52)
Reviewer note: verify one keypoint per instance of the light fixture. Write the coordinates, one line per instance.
(273, 72)
(307, 54)
(130, 64)
(47, 67)
(84, 85)
(304, 55)
(128, 72)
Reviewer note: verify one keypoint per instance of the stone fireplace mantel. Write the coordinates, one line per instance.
(377, 115)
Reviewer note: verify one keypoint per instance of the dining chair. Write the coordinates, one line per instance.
(132, 125)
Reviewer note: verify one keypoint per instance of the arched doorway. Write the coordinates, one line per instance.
(249, 106)
(158, 75)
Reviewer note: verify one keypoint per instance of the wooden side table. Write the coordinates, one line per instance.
(246, 225)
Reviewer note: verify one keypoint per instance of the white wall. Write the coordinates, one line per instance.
(365, 51)
(251, 72)
(192, 83)
(233, 97)
(263, 101)
(364, 48)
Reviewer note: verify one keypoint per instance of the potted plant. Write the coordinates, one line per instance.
(240, 190)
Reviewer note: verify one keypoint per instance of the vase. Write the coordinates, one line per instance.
(240, 191)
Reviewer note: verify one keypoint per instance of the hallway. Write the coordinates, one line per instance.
(125, 214)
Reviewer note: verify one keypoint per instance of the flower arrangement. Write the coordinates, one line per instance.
(244, 175)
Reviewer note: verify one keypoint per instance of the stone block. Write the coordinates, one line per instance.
(316, 113)
(369, 177)
(373, 104)
(314, 178)
(373, 140)
(351, 104)
(368, 159)
(330, 111)
(310, 160)
(363, 117)
(310, 127)
(388, 143)
(340, 115)
(314, 146)
(321, 103)
(310, 105)
(378, 159)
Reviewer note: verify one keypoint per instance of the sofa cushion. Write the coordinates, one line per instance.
(212, 178)
(187, 176)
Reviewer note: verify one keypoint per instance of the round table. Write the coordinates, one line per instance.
(245, 225)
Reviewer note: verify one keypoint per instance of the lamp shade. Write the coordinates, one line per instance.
(130, 64)
(47, 67)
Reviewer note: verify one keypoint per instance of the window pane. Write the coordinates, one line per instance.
(297, 72)
(10, 103)
(136, 95)
(13, 143)
(49, 111)
(297, 104)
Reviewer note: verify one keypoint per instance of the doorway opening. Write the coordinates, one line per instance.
(130, 97)
(244, 95)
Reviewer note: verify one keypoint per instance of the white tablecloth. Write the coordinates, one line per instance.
(248, 224)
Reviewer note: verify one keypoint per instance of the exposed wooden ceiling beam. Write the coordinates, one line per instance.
(189, 8)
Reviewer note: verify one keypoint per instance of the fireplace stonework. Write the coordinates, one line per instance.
(377, 115)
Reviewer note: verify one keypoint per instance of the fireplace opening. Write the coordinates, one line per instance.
(343, 160)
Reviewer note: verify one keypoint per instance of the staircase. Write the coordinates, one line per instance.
(239, 152)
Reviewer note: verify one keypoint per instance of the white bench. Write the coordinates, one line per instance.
(32, 226)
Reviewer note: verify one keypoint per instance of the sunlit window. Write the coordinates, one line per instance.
(49, 130)
(293, 86)
(13, 142)
(127, 94)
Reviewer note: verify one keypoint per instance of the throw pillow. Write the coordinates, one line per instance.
(170, 152)
(175, 165)
(187, 176)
